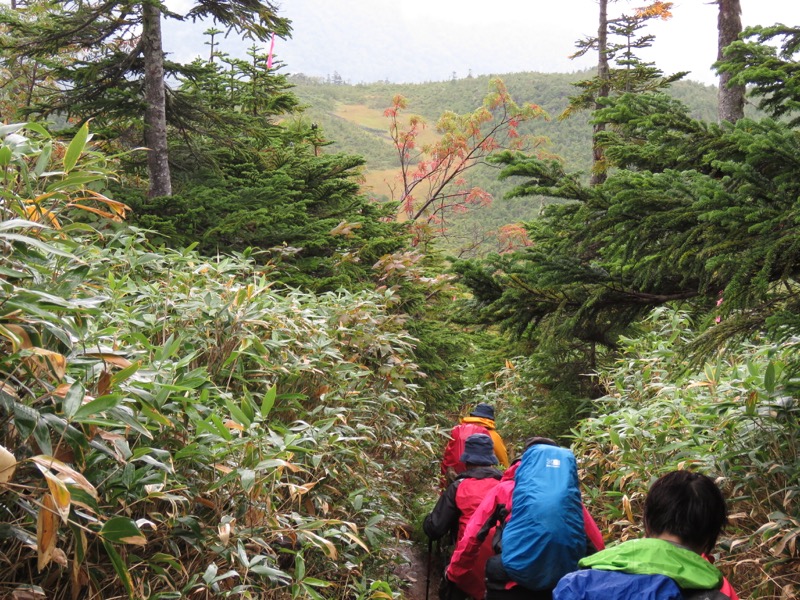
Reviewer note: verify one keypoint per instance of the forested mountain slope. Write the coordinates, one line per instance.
(352, 117)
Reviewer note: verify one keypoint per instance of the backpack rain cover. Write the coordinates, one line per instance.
(545, 538)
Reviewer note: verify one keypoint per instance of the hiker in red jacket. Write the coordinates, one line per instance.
(468, 565)
(457, 503)
(480, 420)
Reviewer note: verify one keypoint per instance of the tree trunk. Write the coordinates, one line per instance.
(598, 156)
(155, 114)
(730, 101)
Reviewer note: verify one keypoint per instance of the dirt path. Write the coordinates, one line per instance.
(413, 569)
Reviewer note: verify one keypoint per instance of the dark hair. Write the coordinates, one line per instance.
(687, 505)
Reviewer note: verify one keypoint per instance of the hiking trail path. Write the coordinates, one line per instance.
(412, 568)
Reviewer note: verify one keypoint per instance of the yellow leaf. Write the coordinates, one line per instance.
(8, 390)
(19, 337)
(8, 465)
(138, 540)
(37, 214)
(46, 362)
(356, 539)
(73, 477)
(626, 505)
(59, 492)
(345, 228)
(112, 359)
(233, 425)
(320, 542)
(46, 531)
(299, 490)
(61, 390)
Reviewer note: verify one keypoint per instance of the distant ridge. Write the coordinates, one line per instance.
(352, 117)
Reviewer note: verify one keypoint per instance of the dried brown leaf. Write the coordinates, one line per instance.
(46, 531)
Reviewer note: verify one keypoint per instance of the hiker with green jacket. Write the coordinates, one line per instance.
(684, 514)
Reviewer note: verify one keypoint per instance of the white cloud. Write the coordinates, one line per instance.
(424, 40)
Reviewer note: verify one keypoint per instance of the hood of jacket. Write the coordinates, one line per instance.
(510, 471)
(650, 556)
(480, 472)
(488, 423)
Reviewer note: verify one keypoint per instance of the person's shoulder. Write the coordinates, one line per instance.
(483, 472)
(600, 584)
(479, 421)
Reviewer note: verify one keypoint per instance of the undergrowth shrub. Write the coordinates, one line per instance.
(172, 426)
(733, 419)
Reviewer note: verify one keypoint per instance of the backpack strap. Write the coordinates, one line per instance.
(498, 516)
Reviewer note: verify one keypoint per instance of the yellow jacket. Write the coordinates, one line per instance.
(499, 447)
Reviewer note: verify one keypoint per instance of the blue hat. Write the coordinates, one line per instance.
(483, 410)
(479, 450)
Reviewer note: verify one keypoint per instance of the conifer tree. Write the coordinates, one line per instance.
(117, 66)
(692, 212)
(729, 26)
(766, 60)
(619, 69)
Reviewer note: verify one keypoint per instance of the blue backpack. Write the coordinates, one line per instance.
(545, 537)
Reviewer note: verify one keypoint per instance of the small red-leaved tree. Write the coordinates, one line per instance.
(432, 183)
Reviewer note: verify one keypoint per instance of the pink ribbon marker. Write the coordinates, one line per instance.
(271, 48)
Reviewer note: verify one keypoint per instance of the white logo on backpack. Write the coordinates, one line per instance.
(553, 463)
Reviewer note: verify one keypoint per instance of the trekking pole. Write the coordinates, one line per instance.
(430, 561)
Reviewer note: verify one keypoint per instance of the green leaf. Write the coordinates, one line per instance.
(38, 129)
(248, 407)
(74, 180)
(317, 582)
(310, 592)
(248, 479)
(122, 530)
(44, 159)
(273, 574)
(98, 405)
(769, 378)
(20, 224)
(130, 420)
(269, 401)
(29, 241)
(5, 156)
(220, 428)
(76, 146)
(25, 419)
(81, 496)
(41, 434)
(237, 414)
(210, 573)
(73, 400)
(10, 128)
(125, 373)
(120, 567)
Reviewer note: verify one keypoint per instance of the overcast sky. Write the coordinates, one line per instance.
(429, 40)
